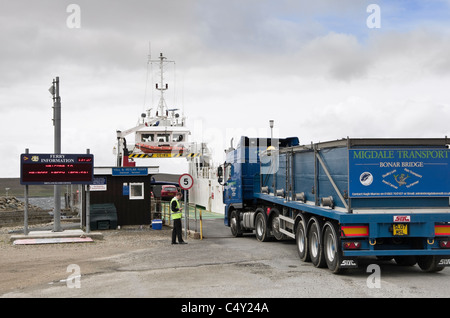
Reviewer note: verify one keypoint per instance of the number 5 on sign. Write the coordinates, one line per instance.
(186, 181)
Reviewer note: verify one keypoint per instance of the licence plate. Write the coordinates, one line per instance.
(400, 229)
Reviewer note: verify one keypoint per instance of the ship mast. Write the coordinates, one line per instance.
(162, 110)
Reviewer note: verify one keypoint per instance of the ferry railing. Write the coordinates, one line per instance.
(195, 216)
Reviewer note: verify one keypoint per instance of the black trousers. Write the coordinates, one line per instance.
(177, 231)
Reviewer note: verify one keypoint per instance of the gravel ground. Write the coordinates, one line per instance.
(135, 262)
(27, 265)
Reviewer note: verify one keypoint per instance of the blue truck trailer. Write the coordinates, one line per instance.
(345, 199)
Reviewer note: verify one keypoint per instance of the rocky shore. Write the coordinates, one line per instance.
(12, 212)
(11, 203)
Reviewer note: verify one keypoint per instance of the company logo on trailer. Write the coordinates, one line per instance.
(366, 178)
(444, 261)
(402, 218)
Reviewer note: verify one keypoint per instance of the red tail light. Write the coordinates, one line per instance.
(352, 245)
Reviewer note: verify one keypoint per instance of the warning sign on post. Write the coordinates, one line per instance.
(186, 181)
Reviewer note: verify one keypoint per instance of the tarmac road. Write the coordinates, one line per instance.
(218, 266)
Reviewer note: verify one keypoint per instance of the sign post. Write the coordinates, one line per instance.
(88, 203)
(186, 182)
(25, 210)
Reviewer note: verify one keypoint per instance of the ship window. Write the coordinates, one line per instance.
(178, 137)
(163, 137)
(148, 137)
(137, 191)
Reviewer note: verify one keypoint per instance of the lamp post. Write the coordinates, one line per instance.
(271, 128)
(54, 90)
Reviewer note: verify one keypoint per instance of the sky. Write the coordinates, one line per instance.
(322, 70)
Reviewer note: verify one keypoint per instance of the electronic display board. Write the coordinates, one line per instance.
(56, 169)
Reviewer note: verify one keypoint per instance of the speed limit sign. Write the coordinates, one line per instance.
(186, 181)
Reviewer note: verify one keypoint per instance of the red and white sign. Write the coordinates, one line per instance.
(186, 181)
(402, 218)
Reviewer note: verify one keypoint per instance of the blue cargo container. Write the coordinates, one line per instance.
(344, 199)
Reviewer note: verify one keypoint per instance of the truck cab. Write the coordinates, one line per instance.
(242, 170)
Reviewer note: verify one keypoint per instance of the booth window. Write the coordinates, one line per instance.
(137, 191)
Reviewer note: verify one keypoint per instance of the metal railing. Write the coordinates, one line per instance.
(161, 210)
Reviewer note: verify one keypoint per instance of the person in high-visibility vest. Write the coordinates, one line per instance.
(175, 209)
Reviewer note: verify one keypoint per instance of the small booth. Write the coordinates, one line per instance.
(128, 189)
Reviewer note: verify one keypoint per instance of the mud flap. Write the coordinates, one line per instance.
(348, 262)
(444, 261)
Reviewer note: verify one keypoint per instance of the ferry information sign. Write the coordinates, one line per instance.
(56, 169)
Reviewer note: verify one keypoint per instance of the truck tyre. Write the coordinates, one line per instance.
(331, 248)
(302, 242)
(315, 245)
(235, 224)
(429, 263)
(261, 228)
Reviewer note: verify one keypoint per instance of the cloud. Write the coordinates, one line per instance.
(313, 67)
(420, 52)
(339, 56)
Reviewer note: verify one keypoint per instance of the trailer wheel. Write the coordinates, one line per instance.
(261, 228)
(315, 245)
(331, 248)
(429, 263)
(302, 242)
(235, 224)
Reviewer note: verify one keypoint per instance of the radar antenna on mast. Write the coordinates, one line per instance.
(162, 109)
